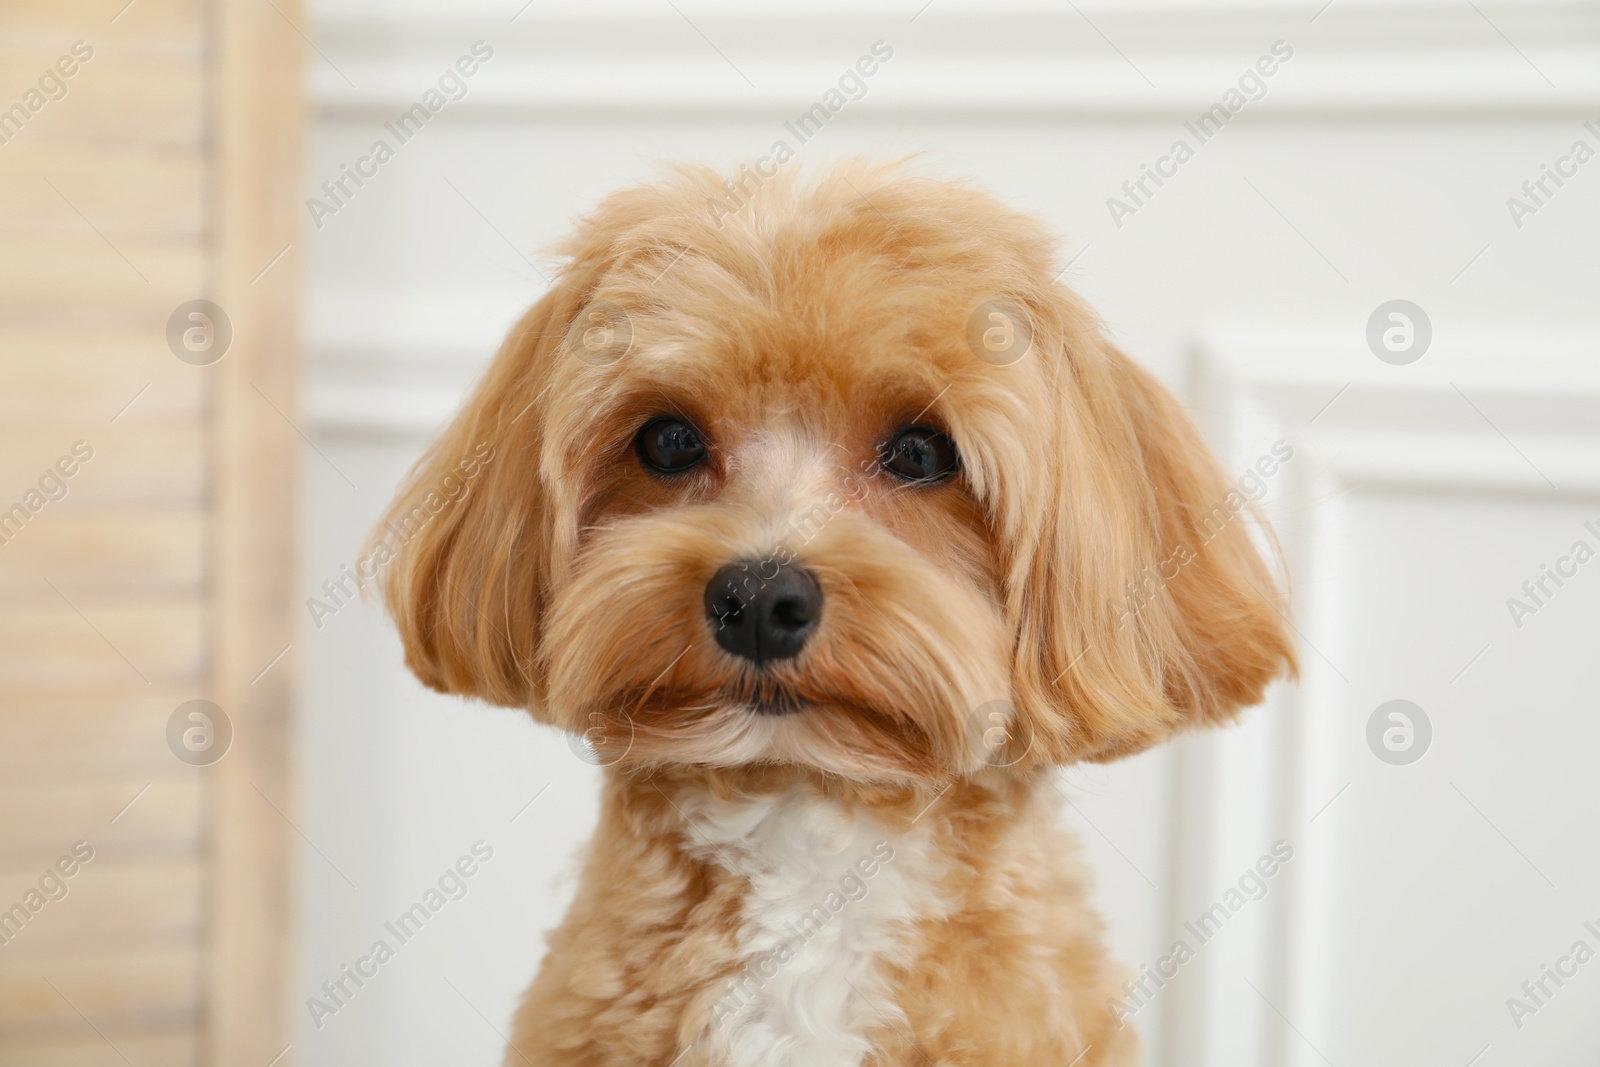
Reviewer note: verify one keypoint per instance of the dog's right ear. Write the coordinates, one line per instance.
(464, 550)
(460, 551)
(488, 517)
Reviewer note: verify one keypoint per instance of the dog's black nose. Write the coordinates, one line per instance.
(760, 617)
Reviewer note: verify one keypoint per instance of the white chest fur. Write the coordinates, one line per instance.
(832, 897)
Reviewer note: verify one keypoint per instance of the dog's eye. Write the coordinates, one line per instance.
(921, 454)
(669, 445)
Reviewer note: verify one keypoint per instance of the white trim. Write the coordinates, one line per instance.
(384, 367)
(379, 412)
(1407, 426)
(958, 58)
(1477, 410)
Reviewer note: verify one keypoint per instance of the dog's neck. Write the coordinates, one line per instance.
(986, 797)
(825, 882)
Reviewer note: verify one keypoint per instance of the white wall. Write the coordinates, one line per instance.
(1376, 166)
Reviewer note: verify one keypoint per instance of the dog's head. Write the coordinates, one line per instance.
(832, 474)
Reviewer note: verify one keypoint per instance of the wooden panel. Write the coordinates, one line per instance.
(65, 730)
(148, 987)
(113, 906)
(148, 22)
(113, 215)
(178, 1047)
(111, 641)
(152, 463)
(122, 95)
(260, 128)
(84, 278)
(124, 189)
(86, 377)
(164, 820)
(98, 549)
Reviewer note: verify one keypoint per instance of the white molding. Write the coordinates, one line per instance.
(388, 368)
(1447, 420)
(390, 412)
(1407, 427)
(958, 58)
(636, 60)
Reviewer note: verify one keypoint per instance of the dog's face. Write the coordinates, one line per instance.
(843, 479)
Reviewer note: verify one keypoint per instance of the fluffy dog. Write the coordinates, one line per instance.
(820, 519)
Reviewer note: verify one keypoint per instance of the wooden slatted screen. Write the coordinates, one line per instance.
(162, 169)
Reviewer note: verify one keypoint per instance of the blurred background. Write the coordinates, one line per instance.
(1363, 233)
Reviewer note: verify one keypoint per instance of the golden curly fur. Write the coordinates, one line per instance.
(796, 335)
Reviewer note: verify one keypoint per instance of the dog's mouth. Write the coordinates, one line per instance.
(757, 695)
(767, 696)
(781, 702)
(740, 720)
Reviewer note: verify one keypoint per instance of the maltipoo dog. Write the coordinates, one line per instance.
(834, 524)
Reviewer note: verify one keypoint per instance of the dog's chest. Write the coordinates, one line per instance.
(832, 899)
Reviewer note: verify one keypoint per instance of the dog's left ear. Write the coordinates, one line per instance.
(1149, 607)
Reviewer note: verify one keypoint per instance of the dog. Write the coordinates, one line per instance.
(819, 520)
